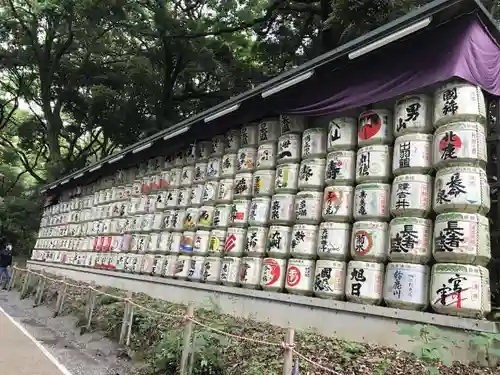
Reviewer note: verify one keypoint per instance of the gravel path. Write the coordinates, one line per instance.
(88, 354)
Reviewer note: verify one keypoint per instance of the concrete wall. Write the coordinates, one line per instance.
(349, 321)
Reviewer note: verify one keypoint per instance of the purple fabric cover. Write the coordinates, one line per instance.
(461, 48)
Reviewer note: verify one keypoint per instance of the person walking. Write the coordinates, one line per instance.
(5, 262)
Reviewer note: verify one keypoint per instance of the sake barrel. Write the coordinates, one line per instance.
(412, 154)
(168, 219)
(214, 167)
(411, 195)
(459, 101)
(259, 211)
(333, 241)
(172, 198)
(187, 242)
(225, 191)
(248, 135)
(292, 124)
(266, 156)
(234, 244)
(273, 274)
(170, 265)
(120, 263)
(373, 163)
(246, 159)
(282, 209)
(176, 241)
(263, 183)
(191, 218)
(406, 286)
(205, 217)
(147, 264)
(187, 175)
(164, 242)
(299, 276)
(369, 241)
(182, 267)
(218, 144)
(232, 141)
(410, 240)
(196, 268)
(243, 185)
(203, 150)
(461, 189)
(459, 143)
(338, 203)
(239, 212)
(413, 114)
(371, 202)
(269, 131)
(199, 174)
(342, 134)
(460, 290)
(340, 168)
(217, 242)
(329, 279)
(137, 263)
(153, 243)
(201, 242)
(375, 126)
(364, 282)
(175, 177)
(304, 241)
(250, 272)
(190, 154)
(256, 241)
(158, 265)
(308, 207)
(161, 200)
(287, 178)
(209, 193)
(289, 149)
(184, 197)
(311, 174)
(228, 166)
(230, 270)
(462, 238)
(222, 215)
(196, 195)
(211, 270)
(314, 143)
(278, 241)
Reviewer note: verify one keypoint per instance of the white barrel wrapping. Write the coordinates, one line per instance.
(329, 279)
(410, 240)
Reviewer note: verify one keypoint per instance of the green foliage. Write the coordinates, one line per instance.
(487, 344)
(432, 345)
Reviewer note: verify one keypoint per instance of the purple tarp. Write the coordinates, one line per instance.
(461, 48)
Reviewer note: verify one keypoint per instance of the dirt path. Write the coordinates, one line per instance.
(88, 354)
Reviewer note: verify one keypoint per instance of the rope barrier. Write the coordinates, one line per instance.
(185, 318)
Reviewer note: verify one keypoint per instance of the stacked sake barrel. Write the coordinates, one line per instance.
(459, 279)
(296, 205)
(406, 282)
(365, 273)
(334, 232)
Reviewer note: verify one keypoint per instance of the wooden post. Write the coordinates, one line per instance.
(91, 305)
(12, 280)
(186, 341)
(61, 296)
(288, 351)
(26, 284)
(125, 320)
(130, 323)
(40, 290)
